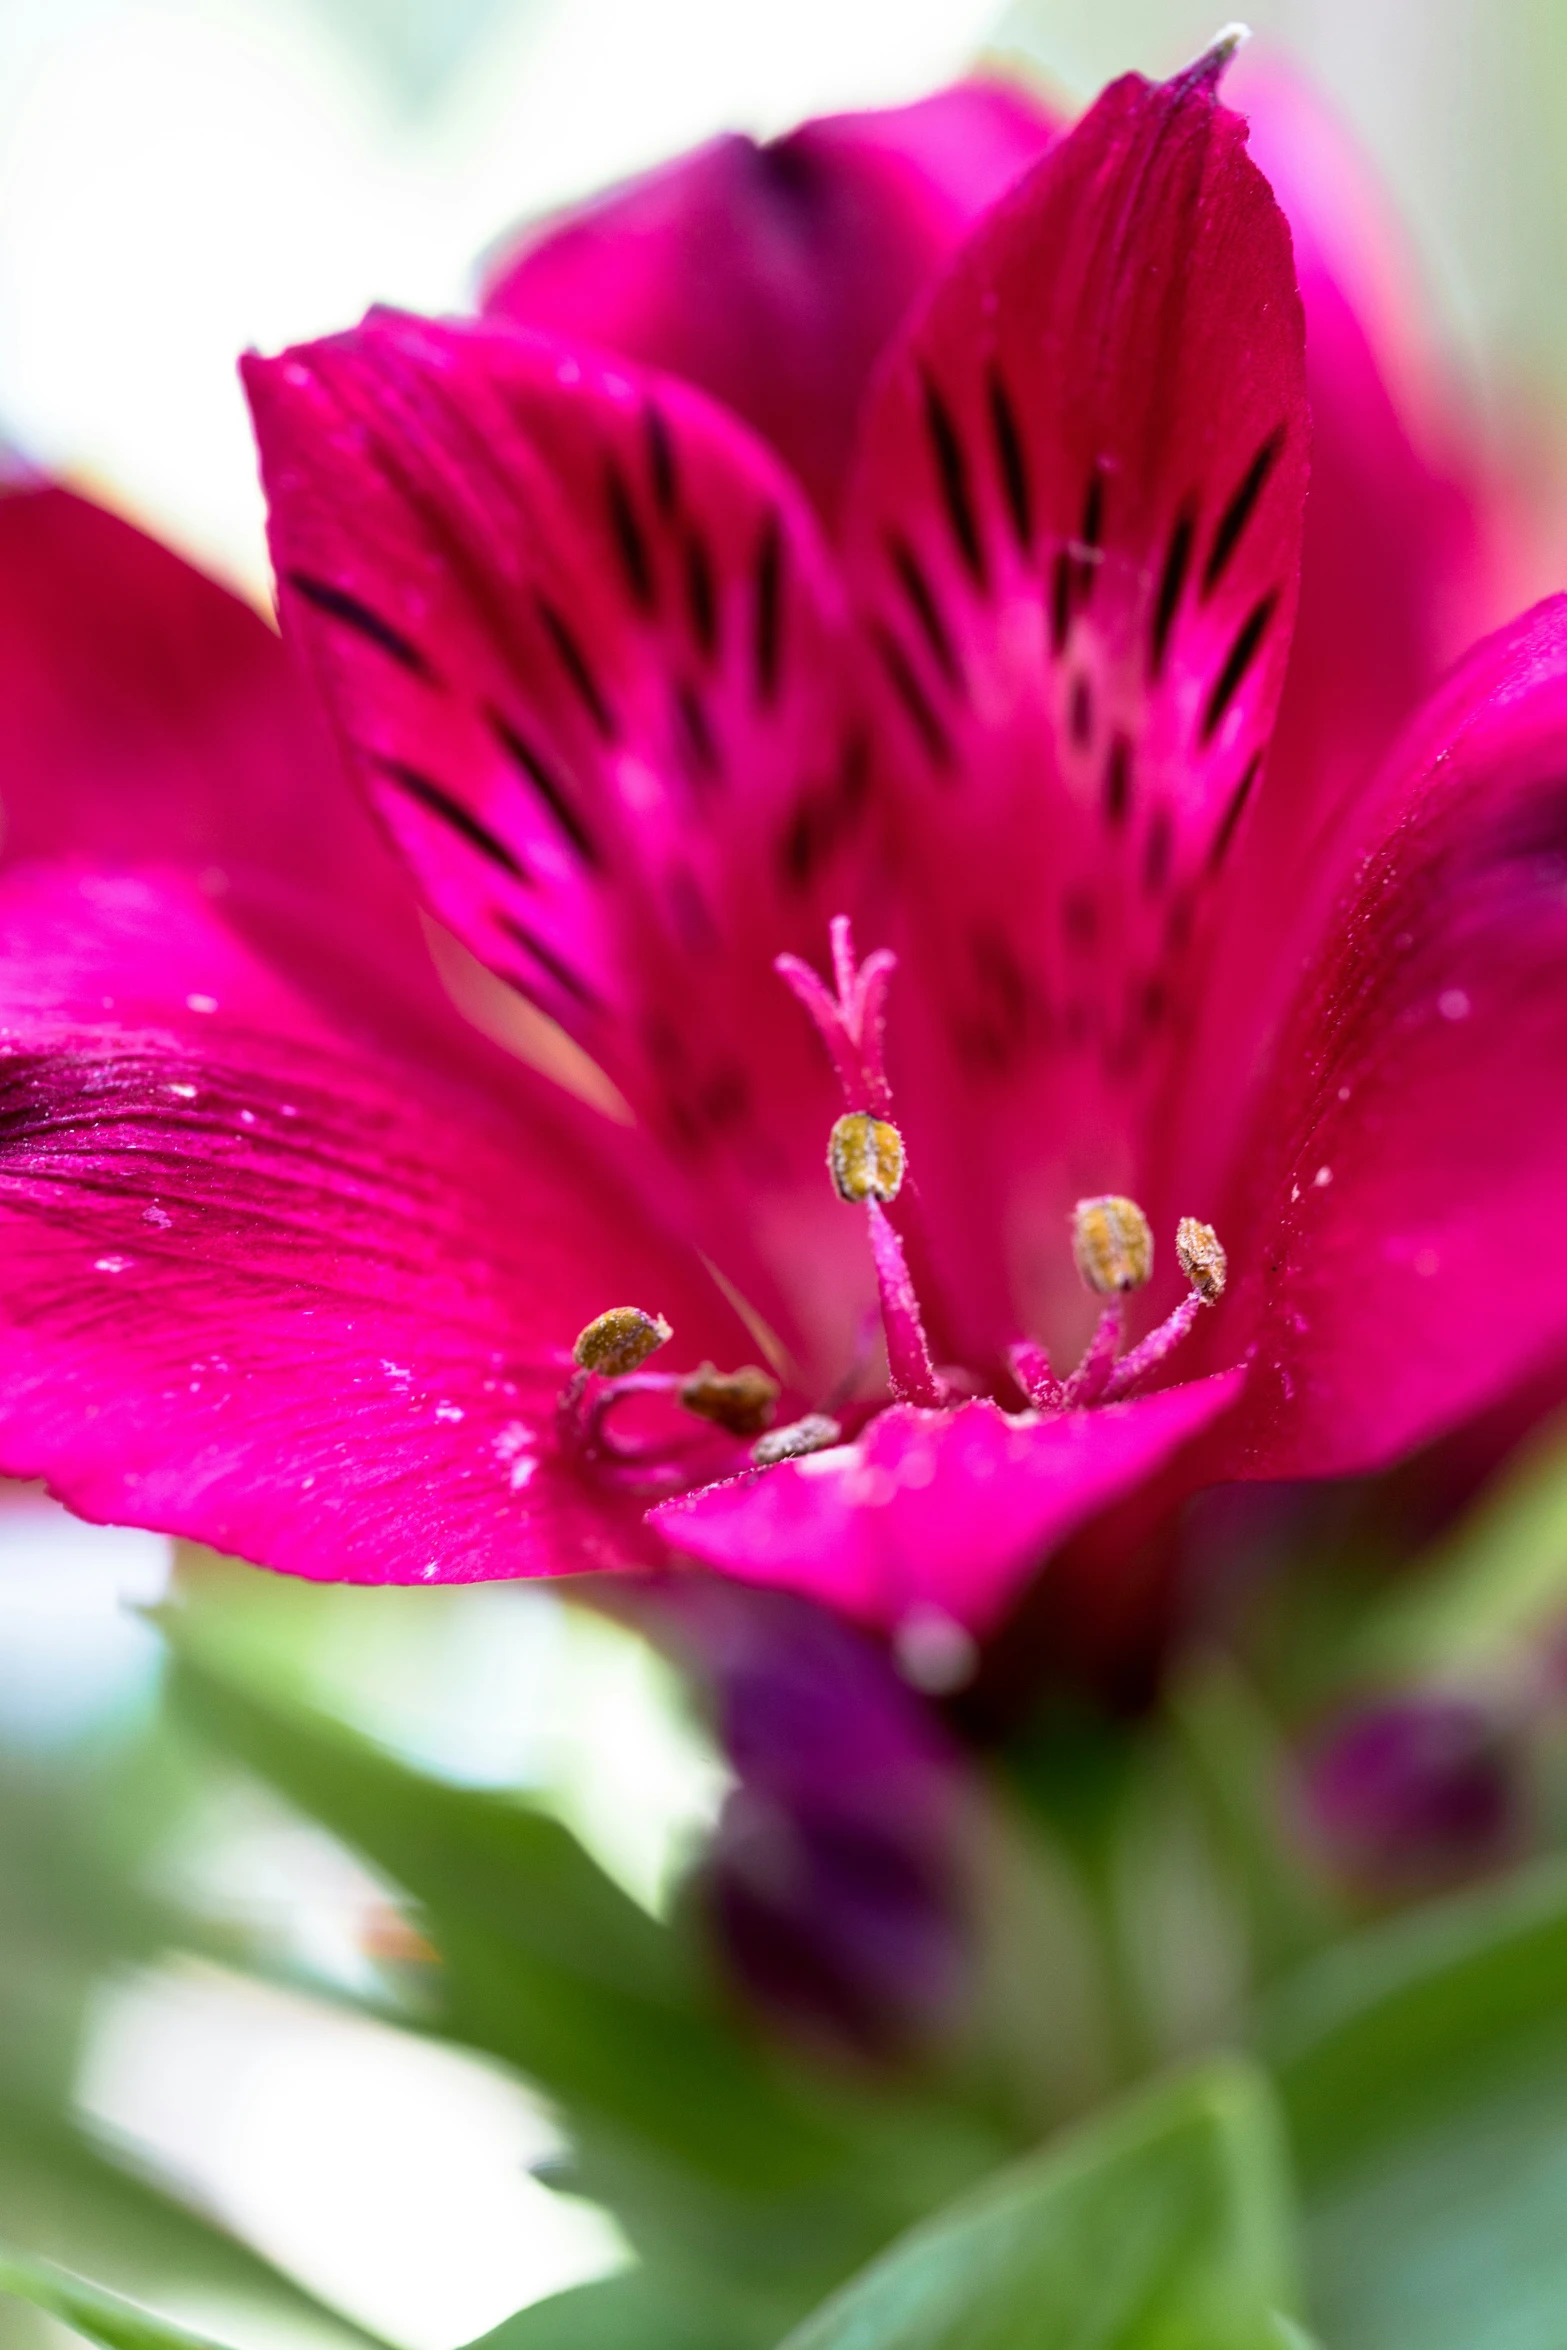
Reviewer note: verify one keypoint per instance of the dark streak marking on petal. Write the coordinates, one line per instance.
(1081, 715)
(1011, 462)
(696, 735)
(1233, 813)
(439, 802)
(953, 474)
(1239, 511)
(546, 958)
(660, 458)
(912, 695)
(854, 775)
(922, 602)
(1060, 601)
(767, 613)
(994, 1034)
(1081, 916)
(701, 602)
(1238, 660)
(630, 544)
(725, 1099)
(1092, 533)
(1156, 851)
(1118, 780)
(338, 604)
(821, 818)
(572, 659)
(550, 790)
(1177, 562)
(693, 919)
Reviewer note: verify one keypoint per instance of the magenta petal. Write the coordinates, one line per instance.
(773, 275)
(1392, 581)
(587, 656)
(1076, 536)
(144, 711)
(1398, 1194)
(951, 1511)
(148, 715)
(269, 1293)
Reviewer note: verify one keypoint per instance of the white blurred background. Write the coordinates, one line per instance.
(180, 179)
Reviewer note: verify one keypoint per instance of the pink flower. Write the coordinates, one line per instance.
(303, 1264)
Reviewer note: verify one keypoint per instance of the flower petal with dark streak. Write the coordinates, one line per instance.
(269, 1292)
(772, 276)
(1076, 533)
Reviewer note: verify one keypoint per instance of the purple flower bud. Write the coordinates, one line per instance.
(833, 1881)
(1414, 1791)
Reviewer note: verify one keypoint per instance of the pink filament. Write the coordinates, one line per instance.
(1092, 1376)
(912, 1372)
(1030, 1367)
(1151, 1351)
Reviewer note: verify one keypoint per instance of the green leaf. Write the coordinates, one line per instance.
(1487, 1589)
(1162, 2225)
(750, 2187)
(1423, 2072)
(628, 2312)
(546, 1961)
(1239, 1766)
(102, 2317)
(74, 2202)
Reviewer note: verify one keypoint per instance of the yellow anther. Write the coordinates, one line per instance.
(1112, 1244)
(815, 1433)
(1200, 1254)
(865, 1157)
(616, 1342)
(742, 1401)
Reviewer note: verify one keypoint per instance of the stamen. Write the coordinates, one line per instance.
(742, 1401)
(1030, 1367)
(865, 1158)
(1200, 1254)
(815, 1433)
(1201, 1257)
(1112, 1244)
(912, 1372)
(865, 1155)
(618, 1341)
(1092, 1376)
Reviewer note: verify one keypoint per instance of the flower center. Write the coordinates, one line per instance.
(867, 1161)
(868, 1164)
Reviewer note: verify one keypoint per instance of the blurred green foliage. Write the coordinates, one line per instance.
(1232, 2082)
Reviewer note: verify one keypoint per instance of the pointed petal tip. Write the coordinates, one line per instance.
(1206, 71)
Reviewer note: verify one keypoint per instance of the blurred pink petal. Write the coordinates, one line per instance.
(270, 1292)
(773, 276)
(1402, 1180)
(637, 738)
(948, 1512)
(1076, 539)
